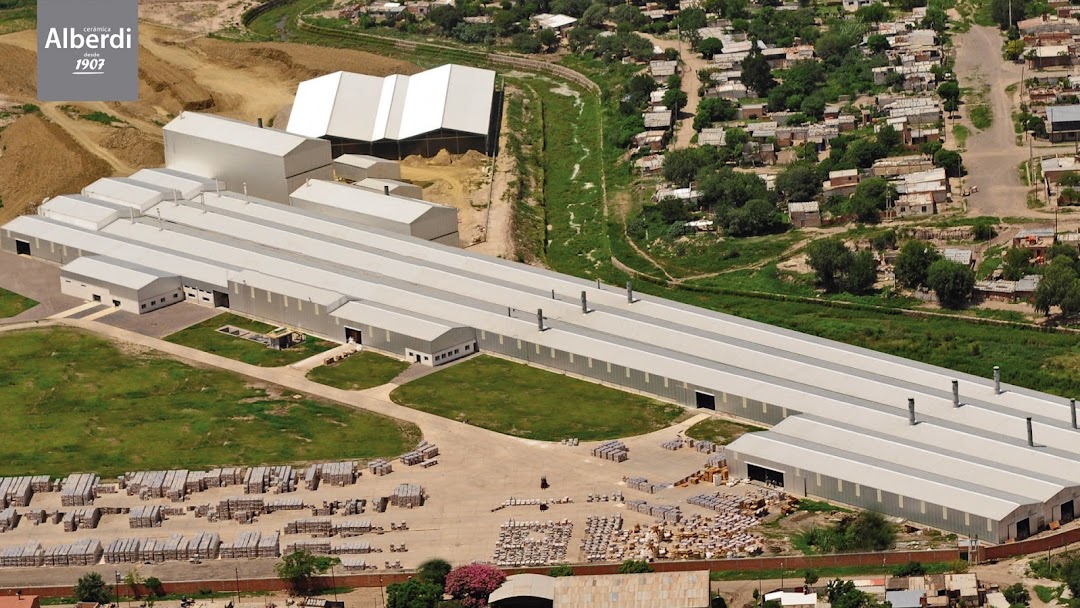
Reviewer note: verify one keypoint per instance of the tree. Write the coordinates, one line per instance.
(681, 166)
(635, 566)
(949, 92)
(883, 241)
(691, 20)
(888, 139)
(913, 263)
(870, 198)
(673, 210)
(756, 73)
(1057, 280)
(909, 569)
(435, 571)
(581, 38)
(594, 16)
(1016, 594)
(299, 568)
(91, 587)
(810, 577)
(713, 109)
(755, 217)
(862, 274)
(413, 593)
(710, 47)
(548, 38)
(877, 43)
(133, 579)
(627, 13)
(872, 13)
(561, 570)
(445, 16)
(1017, 263)
(1013, 50)
(952, 282)
(471, 585)
(799, 181)
(1002, 10)
(830, 259)
(675, 98)
(951, 161)
(869, 530)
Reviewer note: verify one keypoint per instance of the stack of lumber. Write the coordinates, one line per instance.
(315, 547)
(78, 490)
(310, 525)
(615, 451)
(284, 504)
(351, 548)
(339, 473)
(82, 519)
(407, 495)
(352, 527)
(8, 519)
(124, 551)
(145, 517)
(17, 491)
(380, 467)
(22, 556)
(85, 552)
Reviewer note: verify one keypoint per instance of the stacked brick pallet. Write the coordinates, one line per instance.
(284, 504)
(166, 549)
(124, 551)
(41, 483)
(339, 473)
(616, 451)
(642, 485)
(145, 517)
(665, 512)
(9, 519)
(36, 516)
(85, 552)
(311, 477)
(23, 556)
(351, 548)
(355, 564)
(203, 545)
(352, 527)
(315, 547)
(78, 490)
(354, 506)
(17, 491)
(239, 505)
(672, 445)
(707, 447)
(407, 495)
(82, 519)
(310, 525)
(246, 545)
(380, 467)
(263, 479)
(424, 451)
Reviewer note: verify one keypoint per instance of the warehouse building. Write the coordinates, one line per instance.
(244, 157)
(968, 455)
(128, 286)
(451, 107)
(358, 167)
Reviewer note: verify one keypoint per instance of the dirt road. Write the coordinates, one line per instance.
(992, 156)
(77, 132)
(692, 63)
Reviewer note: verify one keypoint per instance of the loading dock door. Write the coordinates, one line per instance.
(353, 335)
(22, 247)
(705, 401)
(1068, 512)
(221, 299)
(1023, 529)
(764, 475)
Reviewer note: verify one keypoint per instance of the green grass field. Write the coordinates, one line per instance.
(359, 371)
(205, 337)
(12, 303)
(523, 401)
(719, 430)
(78, 403)
(842, 572)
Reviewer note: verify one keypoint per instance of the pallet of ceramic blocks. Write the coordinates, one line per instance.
(339, 473)
(315, 547)
(17, 491)
(407, 495)
(78, 490)
(311, 477)
(246, 545)
(148, 516)
(310, 525)
(85, 552)
(284, 504)
(351, 548)
(9, 519)
(707, 447)
(352, 527)
(718, 459)
(124, 551)
(22, 556)
(665, 512)
(227, 476)
(227, 507)
(380, 467)
(203, 545)
(642, 485)
(615, 451)
(86, 518)
(672, 445)
(355, 564)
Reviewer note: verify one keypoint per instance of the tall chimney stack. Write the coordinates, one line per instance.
(997, 380)
(956, 393)
(911, 410)
(585, 310)
(540, 318)
(1031, 435)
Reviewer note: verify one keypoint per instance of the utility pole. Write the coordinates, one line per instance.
(236, 569)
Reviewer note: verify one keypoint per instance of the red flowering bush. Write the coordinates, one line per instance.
(472, 584)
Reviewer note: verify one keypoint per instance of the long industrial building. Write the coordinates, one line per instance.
(962, 453)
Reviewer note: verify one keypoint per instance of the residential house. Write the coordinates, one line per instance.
(1038, 240)
(662, 70)
(805, 214)
(650, 165)
(841, 183)
(559, 22)
(712, 137)
(1053, 169)
(1063, 122)
(901, 165)
(1042, 57)
(960, 256)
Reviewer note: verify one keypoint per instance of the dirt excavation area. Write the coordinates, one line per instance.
(462, 181)
(53, 148)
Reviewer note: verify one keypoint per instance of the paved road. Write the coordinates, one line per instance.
(36, 280)
(992, 158)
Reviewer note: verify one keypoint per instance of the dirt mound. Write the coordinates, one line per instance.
(471, 159)
(135, 148)
(295, 62)
(39, 159)
(171, 86)
(18, 74)
(442, 159)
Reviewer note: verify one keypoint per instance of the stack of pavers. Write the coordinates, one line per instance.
(316, 547)
(424, 451)
(22, 556)
(9, 519)
(351, 548)
(380, 467)
(148, 516)
(407, 495)
(82, 519)
(78, 490)
(665, 512)
(85, 552)
(17, 491)
(718, 459)
(707, 447)
(319, 526)
(339, 473)
(124, 551)
(352, 527)
(284, 504)
(641, 484)
(672, 445)
(224, 477)
(36, 516)
(615, 451)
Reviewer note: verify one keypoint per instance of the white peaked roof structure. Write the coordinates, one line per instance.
(369, 108)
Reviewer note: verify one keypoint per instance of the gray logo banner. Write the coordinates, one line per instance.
(88, 50)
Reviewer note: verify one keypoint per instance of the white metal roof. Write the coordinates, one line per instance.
(299, 291)
(367, 108)
(115, 271)
(234, 132)
(187, 184)
(363, 201)
(129, 192)
(81, 211)
(393, 320)
(524, 585)
(362, 161)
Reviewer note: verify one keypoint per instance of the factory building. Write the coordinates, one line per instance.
(244, 157)
(451, 107)
(358, 167)
(966, 454)
(120, 283)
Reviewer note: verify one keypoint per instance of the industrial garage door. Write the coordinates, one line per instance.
(1023, 529)
(765, 475)
(1068, 512)
(353, 335)
(705, 401)
(22, 247)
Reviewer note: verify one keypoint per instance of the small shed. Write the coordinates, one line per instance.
(805, 214)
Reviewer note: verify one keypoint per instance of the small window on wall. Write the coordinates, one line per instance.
(143, 306)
